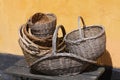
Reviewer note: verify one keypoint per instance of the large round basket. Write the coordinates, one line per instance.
(42, 29)
(60, 63)
(88, 42)
(33, 51)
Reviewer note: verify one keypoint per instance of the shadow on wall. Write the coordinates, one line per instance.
(105, 59)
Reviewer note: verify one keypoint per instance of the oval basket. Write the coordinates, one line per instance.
(59, 63)
(88, 42)
(42, 29)
(32, 51)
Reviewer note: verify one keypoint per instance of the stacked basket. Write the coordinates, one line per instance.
(36, 44)
(48, 54)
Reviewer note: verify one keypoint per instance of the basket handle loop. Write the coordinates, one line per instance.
(54, 39)
(79, 27)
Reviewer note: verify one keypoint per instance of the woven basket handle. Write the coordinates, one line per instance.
(79, 27)
(54, 39)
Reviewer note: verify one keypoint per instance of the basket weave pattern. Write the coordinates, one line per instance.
(60, 63)
(42, 29)
(33, 51)
(34, 47)
(90, 44)
(49, 54)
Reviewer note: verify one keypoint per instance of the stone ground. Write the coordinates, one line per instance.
(7, 60)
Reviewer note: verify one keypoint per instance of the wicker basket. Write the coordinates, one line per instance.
(59, 63)
(32, 51)
(88, 42)
(46, 41)
(42, 29)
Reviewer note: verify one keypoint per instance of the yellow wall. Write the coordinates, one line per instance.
(14, 13)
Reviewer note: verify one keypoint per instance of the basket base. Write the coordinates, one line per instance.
(58, 72)
(20, 70)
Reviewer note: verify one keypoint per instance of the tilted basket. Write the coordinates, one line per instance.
(88, 42)
(33, 51)
(59, 63)
(42, 25)
(44, 41)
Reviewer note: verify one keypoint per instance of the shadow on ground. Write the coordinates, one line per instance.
(7, 60)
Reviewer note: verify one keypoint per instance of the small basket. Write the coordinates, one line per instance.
(44, 29)
(32, 51)
(88, 42)
(61, 63)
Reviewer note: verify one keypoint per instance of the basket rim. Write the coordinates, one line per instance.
(84, 39)
(54, 18)
(31, 36)
(64, 54)
(32, 52)
(29, 41)
(34, 44)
